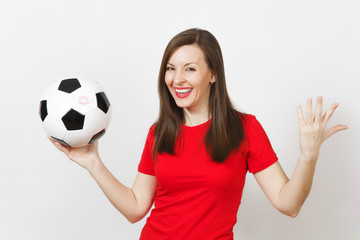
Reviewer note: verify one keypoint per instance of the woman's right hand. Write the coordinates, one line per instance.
(86, 156)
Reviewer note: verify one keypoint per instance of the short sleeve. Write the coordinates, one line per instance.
(260, 153)
(146, 164)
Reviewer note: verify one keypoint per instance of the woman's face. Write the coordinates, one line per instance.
(189, 78)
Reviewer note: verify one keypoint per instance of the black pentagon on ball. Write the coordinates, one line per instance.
(102, 102)
(60, 141)
(69, 85)
(73, 120)
(43, 110)
(97, 136)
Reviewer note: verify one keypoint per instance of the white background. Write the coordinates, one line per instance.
(277, 54)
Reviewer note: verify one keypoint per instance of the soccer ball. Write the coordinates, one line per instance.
(75, 112)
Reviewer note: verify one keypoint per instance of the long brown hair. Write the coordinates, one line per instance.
(226, 129)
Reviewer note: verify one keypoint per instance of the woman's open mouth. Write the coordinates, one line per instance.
(182, 92)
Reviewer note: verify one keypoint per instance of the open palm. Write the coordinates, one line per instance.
(313, 131)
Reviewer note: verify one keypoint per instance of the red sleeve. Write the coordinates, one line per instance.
(260, 153)
(146, 164)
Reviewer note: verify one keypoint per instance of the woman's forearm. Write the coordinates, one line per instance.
(294, 193)
(135, 202)
(121, 197)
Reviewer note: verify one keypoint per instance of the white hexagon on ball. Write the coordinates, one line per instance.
(75, 112)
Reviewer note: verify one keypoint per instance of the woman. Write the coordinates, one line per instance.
(197, 154)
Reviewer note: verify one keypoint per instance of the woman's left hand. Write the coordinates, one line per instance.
(313, 131)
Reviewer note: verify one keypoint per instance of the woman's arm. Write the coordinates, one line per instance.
(135, 202)
(288, 195)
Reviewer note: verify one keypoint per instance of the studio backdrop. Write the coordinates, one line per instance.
(277, 55)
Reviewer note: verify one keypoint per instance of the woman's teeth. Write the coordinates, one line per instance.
(183, 91)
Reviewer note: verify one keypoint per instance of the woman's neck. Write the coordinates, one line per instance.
(194, 118)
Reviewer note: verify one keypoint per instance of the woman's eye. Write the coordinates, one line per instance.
(170, 68)
(191, 69)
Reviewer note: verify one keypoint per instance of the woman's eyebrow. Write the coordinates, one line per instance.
(190, 63)
(184, 65)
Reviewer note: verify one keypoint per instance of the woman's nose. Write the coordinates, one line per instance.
(179, 78)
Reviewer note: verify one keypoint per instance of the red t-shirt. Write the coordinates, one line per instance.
(197, 198)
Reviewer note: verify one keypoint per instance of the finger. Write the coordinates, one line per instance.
(50, 138)
(59, 146)
(330, 112)
(335, 129)
(318, 111)
(55, 143)
(300, 115)
(309, 114)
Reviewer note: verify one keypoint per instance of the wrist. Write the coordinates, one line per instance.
(308, 157)
(95, 166)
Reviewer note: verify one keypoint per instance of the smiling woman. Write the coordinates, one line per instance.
(189, 79)
(196, 156)
(193, 62)
(200, 148)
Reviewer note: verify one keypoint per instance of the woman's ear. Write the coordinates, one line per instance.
(213, 78)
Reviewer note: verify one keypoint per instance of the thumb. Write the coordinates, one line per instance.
(335, 129)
